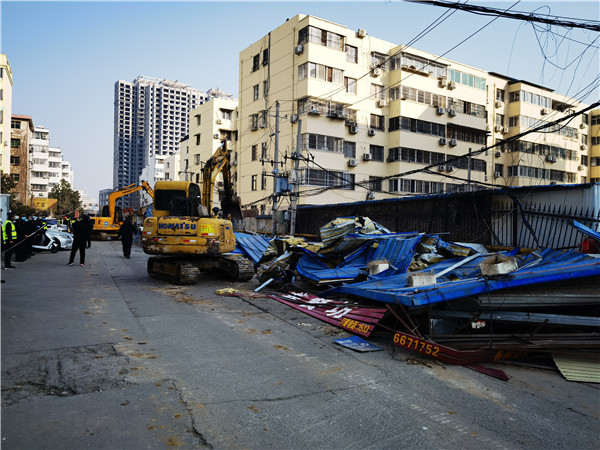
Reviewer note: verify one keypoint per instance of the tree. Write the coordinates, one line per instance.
(68, 200)
(8, 184)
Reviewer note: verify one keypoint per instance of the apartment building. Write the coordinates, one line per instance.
(594, 152)
(6, 83)
(210, 123)
(377, 120)
(46, 165)
(150, 117)
(22, 129)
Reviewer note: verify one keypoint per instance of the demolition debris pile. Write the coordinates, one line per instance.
(462, 303)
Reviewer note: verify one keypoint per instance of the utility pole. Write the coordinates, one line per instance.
(276, 168)
(469, 169)
(296, 190)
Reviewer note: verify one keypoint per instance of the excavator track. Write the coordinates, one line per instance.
(174, 270)
(237, 267)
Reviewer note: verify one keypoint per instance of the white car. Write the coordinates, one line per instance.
(54, 239)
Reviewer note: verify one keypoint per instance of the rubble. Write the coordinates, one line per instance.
(434, 294)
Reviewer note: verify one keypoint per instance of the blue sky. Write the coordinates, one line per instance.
(66, 56)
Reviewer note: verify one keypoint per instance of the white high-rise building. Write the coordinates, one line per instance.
(47, 167)
(151, 116)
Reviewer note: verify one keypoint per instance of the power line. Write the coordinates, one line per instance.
(592, 25)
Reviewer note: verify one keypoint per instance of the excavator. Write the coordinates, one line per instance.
(188, 234)
(107, 226)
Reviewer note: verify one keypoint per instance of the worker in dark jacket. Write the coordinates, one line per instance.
(81, 236)
(9, 239)
(126, 233)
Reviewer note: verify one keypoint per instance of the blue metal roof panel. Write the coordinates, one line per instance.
(253, 245)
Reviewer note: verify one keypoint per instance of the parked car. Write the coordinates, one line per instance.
(54, 239)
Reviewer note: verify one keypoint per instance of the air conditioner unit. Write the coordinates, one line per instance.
(452, 112)
(497, 154)
(381, 103)
(353, 129)
(580, 168)
(361, 33)
(371, 132)
(441, 168)
(544, 111)
(583, 147)
(442, 81)
(551, 158)
(299, 49)
(366, 157)
(216, 136)
(497, 175)
(451, 84)
(498, 128)
(498, 103)
(452, 142)
(443, 141)
(375, 72)
(234, 162)
(219, 121)
(505, 130)
(449, 168)
(582, 125)
(440, 110)
(371, 195)
(294, 118)
(352, 162)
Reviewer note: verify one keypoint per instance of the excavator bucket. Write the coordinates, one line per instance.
(231, 208)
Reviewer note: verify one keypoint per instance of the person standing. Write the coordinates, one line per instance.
(81, 236)
(126, 233)
(9, 238)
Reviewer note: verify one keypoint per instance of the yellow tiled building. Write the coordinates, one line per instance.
(378, 120)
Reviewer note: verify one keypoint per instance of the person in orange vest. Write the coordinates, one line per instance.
(9, 239)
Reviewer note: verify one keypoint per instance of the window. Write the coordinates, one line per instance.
(467, 79)
(254, 122)
(378, 59)
(322, 142)
(15, 143)
(265, 57)
(377, 122)
(322, 37)
(349, 149)
(226, 114)
(198, 119)
(331, 178)
(15, 177)
(255, 62)
(377, 92)
(263, 182)
(500, 93)
(320, 72)
(197, 138)
(15, 160)
(265, 88)
(197, 160)
(499, 120)
(377, 152)
(15, 124)
(255, 92)
(418, 63)
(350, 84)
(595, 120)
(375, 183)
(417, 126)
(351, 54)
(417, 95)
(253, 181)
(254, 152)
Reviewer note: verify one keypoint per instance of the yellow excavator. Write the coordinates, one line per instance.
(189, 237)
(107, 226)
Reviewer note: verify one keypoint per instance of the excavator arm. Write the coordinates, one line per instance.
(219, 163)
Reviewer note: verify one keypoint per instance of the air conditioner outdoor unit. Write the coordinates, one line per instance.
(583, 147)
(375, 72)
(294, 118)
(353, 129)
(582, 125)
(505, 130)
(498, 103)
(497, 174)
(452, 142)
(443, 141)
(497, 154)
(352, 162)
(313, 110)
(234, 162)
(441, 168)
(551, 158)
(381, 103)
(361, 33)
(452, 112)
(451, 84)
(440, 110)
(544, 111)
(219, 121)
(449, 168)
(299, 49)
(371, 132)
(216, 136)
(580, 168)
(498, 128)
(366, 157)
(442, 81)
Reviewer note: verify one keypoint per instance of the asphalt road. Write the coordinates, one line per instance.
(103, 357)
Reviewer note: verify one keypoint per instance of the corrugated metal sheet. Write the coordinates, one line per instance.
(342, 226)
(253, 245)
(548, 266)
(580, 367)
